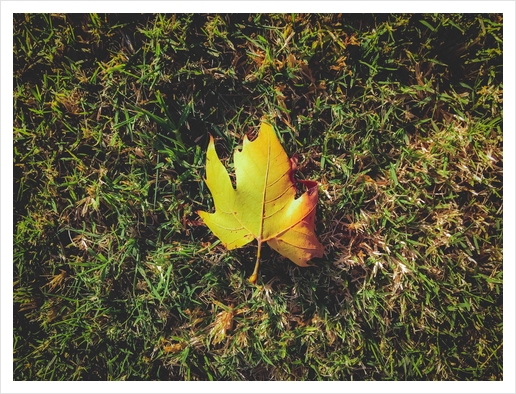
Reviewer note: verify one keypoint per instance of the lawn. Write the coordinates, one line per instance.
(397, 117)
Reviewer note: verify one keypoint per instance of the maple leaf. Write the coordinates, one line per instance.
(264, 205)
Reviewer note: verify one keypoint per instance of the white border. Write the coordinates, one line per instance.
(6, 201)
(266, 6)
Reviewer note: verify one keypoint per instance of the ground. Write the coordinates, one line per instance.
(397, 117)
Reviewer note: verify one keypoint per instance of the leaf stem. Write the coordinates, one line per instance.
(254, 276)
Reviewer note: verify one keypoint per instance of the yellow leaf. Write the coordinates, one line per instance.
(263, 205)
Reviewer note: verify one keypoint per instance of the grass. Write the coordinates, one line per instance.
(399, 117)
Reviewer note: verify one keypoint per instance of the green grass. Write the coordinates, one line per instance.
(399, 117)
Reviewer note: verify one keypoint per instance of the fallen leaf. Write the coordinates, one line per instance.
(263, 206)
